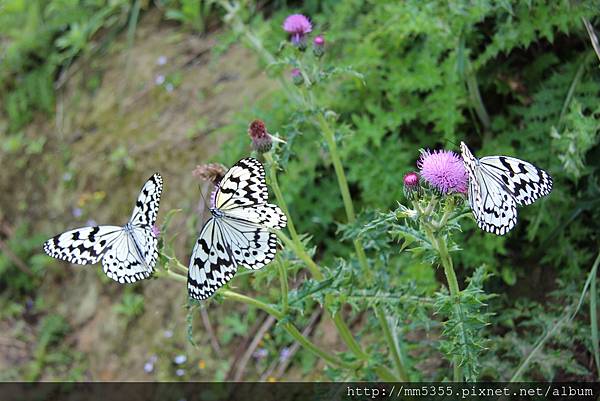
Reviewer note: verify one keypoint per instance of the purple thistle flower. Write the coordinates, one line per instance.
(297, 25)
(155, 231)
(444, 170)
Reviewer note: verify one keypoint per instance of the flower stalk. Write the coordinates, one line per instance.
(279, 315)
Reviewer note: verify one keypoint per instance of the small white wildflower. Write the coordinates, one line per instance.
(179, 359)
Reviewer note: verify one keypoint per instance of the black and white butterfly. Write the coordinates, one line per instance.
(128, 253)
(497, 184)
(239, 231)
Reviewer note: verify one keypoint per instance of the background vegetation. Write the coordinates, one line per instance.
(97, 95)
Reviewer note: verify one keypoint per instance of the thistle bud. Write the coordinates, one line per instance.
(411, 185)
(297, 77)
(262, 142)
(319, 46)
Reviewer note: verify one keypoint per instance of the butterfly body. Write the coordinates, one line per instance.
(498, 184)
(128, 253)
(239, 231)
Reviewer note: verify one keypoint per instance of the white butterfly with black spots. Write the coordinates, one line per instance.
(128, 253)
(239, 233)
(497, 184)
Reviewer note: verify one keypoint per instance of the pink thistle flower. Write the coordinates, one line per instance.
(444, 170)
(297, 25)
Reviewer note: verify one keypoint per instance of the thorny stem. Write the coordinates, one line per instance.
(440, 246)
(400, 370)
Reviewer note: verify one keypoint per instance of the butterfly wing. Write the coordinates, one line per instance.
(83, 246)
(127, 260)
(495, 209)
(129, 253)
(148, 201)
(266, 216)
(525, 182)
(251, 246)
(242, 186)
(211, 264)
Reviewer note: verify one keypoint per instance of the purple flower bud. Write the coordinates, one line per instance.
(155, 231)
(297, 77)
(319, 46)
(411, 185)
(261, 140)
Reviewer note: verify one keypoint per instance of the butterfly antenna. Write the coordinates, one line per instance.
(206, 204)
(452, 142)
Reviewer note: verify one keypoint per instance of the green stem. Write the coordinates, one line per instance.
(337, 165)
(329, 136)
(284, 286)
(394, 349)
(440, 245)
(293, 331)
(279, 196)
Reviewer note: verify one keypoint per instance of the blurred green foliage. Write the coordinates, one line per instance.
(39, 41)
